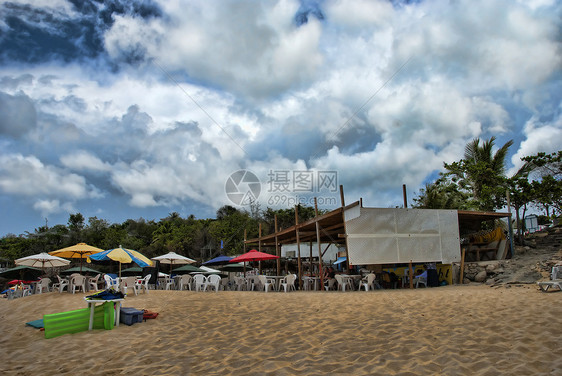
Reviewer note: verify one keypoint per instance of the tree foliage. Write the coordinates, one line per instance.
(199, 239)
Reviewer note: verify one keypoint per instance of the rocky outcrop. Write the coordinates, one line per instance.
(530, 263)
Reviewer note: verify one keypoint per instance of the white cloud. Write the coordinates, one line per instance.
(47, 207)
(83, 160)
(540, 137)
(28, 176)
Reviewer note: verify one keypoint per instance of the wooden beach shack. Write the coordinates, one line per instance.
(391, 238)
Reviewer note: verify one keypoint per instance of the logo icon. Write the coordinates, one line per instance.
(243, 187)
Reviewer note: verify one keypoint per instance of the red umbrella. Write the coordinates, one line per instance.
(254, 255)
(18, 281)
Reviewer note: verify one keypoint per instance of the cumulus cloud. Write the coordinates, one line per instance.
(540, 137)
(83, 160)
(263, 55)
(160, 105)
(18, 115)
(28, 176)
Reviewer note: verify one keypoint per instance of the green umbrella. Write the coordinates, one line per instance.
(231, 268)
(132, 271)
(79, 269)
(22, 272)
(187, 269)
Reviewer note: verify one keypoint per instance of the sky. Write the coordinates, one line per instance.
(136, 109)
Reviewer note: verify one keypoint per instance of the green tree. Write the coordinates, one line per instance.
(481, 173)
(75, 226)
(440, 195)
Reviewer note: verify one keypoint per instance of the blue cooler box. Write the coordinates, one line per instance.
(130, 316)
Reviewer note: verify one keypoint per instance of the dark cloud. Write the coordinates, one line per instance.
(35, 35)
(18, 115)
(12, 83)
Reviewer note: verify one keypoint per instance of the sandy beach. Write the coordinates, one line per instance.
(457, 330)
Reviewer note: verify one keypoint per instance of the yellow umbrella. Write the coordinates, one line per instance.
(123, 256)
(79, 250)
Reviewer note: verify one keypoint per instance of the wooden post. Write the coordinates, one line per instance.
(320, 271)
(343, 219)
(259, 248)
(510, 227)
(462, 265)
(405, 196)
(298, 245)
(245, 238)
(277, 249)
(310, 269)
(411, 274)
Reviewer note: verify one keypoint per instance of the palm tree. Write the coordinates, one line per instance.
(483, 168)
(482, 173)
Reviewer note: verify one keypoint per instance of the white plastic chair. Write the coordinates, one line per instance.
(61, 284)
(421, 280)
(240, 283)
(186, 280)
(288, 282)
(199, 281)
(341, 283)
(78, 282)
(369, 282)
(129, 283)
(143, 283)
(110, 282)
(225, 284)
(93, 283)
(329, 284)
(264, 283)
(213, 281)
(43, 285)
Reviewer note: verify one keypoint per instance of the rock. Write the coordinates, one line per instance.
(481, 277)
(491, 267)
(490, 281)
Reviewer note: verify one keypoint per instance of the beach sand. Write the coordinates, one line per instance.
(456, 330)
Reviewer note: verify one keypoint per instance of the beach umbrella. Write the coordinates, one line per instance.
(123, 256)
(188, 269)
(80, 250)
(219, 260)
(253, 255)
(79, 269)
(21, 272)
(42, 260)
(132, 271)
(232, 268)
(173, 258)
(207, 270)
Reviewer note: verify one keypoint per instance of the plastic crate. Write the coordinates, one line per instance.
(129, 316)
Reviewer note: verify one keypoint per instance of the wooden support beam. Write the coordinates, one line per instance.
(277, 248)
(411, 274)
(462, 265)
(298, 245)
(343, 220)
(320, 271)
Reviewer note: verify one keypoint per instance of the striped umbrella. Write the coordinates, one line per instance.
(123, 256)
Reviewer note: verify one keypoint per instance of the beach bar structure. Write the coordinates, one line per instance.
(382, 236)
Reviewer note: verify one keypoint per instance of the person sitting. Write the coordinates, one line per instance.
(329, 273)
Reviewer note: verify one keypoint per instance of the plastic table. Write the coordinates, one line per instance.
(92, 305)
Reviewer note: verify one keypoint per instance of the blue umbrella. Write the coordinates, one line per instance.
(221, 259)
(122, 255)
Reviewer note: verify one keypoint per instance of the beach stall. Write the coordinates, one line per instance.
(393, 240)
